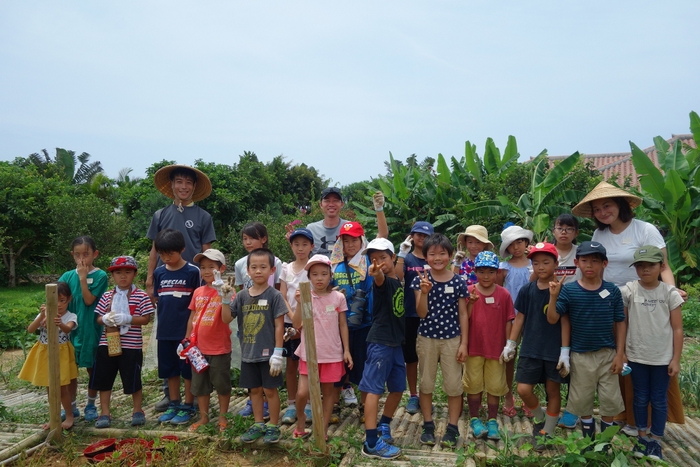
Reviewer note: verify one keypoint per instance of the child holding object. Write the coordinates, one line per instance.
(331, 331)
(36, 366)
(654, 344)
(208, 329)
(490, 317)
(542, 345)
(124, 310)
(442, 336)
(470, 243)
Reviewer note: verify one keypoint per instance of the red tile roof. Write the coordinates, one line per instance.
(620, 164)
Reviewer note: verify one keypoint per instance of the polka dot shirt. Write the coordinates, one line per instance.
(442, 321)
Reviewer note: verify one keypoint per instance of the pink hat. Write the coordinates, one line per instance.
(318, 259)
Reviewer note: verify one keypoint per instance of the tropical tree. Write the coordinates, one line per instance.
(66, 165)
(672, 197)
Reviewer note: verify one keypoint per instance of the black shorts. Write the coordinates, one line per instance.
(257, 374)
(170, 364)
(358, 352)
(535, 371)
(105, 369)
(409, 348)
(291, 345)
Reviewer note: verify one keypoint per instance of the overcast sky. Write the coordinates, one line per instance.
(337, 85)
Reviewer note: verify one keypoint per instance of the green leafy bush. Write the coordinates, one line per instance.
(18, 307)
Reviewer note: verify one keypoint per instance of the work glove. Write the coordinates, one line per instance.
(224, 289)
(564, 366)
(108, 319)
(378, 200)
(276, 362)
(508, 351)
(289, 333)
(121, 319)
(405, 247)
(459, 257)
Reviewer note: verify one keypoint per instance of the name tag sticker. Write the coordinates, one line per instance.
(330, 308)
(490, 300)
(89, 280)
(626, 241)
(604, 293)
(262, 302)
(449, 289)
(266, 352)
(177, 294)
(638, 299)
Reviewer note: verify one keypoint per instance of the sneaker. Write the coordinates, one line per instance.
(256, 431)
(568, 420)
(478, 428)
(384, 431)
(90, 413)
(184, 414)
(163, 404)
(449, 439)
(492, 427)
(170, 413)
(290, 415)
(307, 412)
(272, 434)
(247, 410)
(382, 450)
(537, 427)
(541, 441)
(413, 405)
(641, 447)
(349, 396)
(335, 415)
(138, 419)
(428, 435)
(630, 431)
(654, 450)
(103, 421)
(266, 412)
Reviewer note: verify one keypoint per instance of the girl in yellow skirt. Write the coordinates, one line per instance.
(36, 367)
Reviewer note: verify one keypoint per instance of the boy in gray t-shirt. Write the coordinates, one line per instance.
(260, 311)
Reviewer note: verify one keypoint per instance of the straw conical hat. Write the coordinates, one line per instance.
(162, 180)
(601, 191)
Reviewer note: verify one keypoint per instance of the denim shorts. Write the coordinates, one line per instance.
(384, 365)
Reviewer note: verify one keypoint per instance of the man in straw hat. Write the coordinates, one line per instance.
(184, 185)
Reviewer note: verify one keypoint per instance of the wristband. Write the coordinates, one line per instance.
(380, 209)
(278, 351)
(565, 351)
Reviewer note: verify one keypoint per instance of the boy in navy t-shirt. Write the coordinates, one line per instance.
(174, 283)
(598, 331)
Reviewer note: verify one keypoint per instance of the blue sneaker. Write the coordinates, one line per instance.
(169, 414)
(413, 405)
(290, 415)
(384, 431)
(478, 428)
(307, 412)
(246, 411)
(382, 450)
(492, 427)
(90, 413)
(568, 420)
(184, 414)
(266, 412)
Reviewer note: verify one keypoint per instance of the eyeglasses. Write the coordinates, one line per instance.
(565, 229)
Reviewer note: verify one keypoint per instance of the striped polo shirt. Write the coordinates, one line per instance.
(141, 306)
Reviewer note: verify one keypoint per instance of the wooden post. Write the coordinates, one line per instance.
(54, 362)
(307, 319)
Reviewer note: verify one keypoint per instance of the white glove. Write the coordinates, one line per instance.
(564, 366)
(179, 350)
(378, 200)
(276, 362)
(108, 320)
(459, 257)
(405, 247)
(218, 283)
(289, 333)
(121, 319)
(508, 351)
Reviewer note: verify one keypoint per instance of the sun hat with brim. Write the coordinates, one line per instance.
(477, 231)
(202, 187)
(648, 254)
(511, 234)
(601, 191)
(317, 259)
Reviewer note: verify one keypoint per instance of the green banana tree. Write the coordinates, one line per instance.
(672, 197)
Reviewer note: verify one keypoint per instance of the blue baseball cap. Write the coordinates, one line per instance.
(423, 227)
(486, 259)
(304, 232)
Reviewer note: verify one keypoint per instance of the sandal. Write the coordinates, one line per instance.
(195, 426)
(509, 411)
(527, 412)
(301, 434)
(222, 426)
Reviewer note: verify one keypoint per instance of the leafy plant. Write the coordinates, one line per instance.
(672, 197)
(689, 381)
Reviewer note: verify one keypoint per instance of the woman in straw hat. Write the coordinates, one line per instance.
(621, 234)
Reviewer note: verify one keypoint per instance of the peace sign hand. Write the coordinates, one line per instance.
(473, 296)
(374, 269)
(425, 284)
(555, 286)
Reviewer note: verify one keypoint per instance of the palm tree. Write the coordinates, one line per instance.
(76, 169)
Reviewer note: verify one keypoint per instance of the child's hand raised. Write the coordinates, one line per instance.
(378, 201)
(297, 295)
(374, 269)
(82, 269)
(555, 286)
(473, 296)
(425, 284)
(459, 255)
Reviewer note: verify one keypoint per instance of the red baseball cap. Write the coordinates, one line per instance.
(543, 247)
(354, 229)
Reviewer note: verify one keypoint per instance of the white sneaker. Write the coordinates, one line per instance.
(349, 396)
(630, 431)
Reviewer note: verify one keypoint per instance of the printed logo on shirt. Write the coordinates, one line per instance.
(253, 322)
(565, 271)
(189, 224)
(398, 302)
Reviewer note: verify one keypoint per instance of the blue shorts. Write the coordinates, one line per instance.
(384, 365)
(170, 364)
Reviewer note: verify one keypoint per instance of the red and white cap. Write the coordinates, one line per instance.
(352, 228)
(543, 247)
